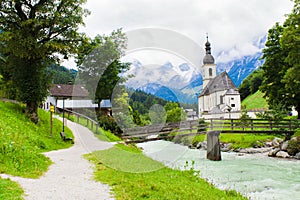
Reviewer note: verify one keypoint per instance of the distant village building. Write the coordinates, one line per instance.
(73, 97)
(219, 98)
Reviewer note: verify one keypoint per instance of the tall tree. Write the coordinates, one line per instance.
(34, 34)
(281, 67)
(99, 66)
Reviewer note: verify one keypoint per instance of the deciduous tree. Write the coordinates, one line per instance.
(282, 64)
(34, 34)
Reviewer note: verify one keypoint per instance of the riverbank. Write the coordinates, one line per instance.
(273, 145)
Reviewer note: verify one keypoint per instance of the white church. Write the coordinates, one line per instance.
(219, 98)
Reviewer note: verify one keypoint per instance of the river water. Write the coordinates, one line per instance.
(256, 176)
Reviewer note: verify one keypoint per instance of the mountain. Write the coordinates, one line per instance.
(182, 82)
(239, 69)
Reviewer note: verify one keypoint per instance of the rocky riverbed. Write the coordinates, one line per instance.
(275, 148)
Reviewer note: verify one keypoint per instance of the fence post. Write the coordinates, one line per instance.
(213, 146)
(231, 124)
(77, 118)
(97, 128)
(211, 124)
(271, 127)
(251, 124)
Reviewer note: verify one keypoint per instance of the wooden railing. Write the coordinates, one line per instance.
(89, 122)
(188, 128)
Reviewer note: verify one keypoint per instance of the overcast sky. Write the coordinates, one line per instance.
(232, 25)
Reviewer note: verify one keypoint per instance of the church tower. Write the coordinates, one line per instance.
(209, 70)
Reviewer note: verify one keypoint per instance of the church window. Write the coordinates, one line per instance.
(232, 98)
(210, 71)
(233, 105)
(221, 100)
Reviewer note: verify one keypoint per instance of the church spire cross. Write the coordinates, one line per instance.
(207, 45)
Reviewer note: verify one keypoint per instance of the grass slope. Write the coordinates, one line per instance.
(135, 176)
(22, 142)
(255, 101)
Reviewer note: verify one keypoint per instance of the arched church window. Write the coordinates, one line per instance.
(210, 71)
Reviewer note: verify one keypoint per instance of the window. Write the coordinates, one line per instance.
(232, 98)
(210, 71)
(221, 100)
(233, 105)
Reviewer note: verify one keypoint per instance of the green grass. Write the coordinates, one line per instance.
(22, 142)
(135, 176)
(237, 140)
(10, 190)
(255, 101)
(101, 134)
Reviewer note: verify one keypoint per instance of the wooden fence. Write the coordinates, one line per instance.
(88, 121)
(188, 128)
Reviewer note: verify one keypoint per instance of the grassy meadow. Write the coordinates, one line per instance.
(255, 101)
(132, 175)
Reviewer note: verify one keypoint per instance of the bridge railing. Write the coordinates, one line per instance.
(193, 127)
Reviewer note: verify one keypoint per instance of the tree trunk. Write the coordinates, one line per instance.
(32, 111)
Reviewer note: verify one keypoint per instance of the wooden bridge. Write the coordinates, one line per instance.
(193, 128)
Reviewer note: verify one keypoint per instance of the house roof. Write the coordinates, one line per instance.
(220, 83)
(64, 90)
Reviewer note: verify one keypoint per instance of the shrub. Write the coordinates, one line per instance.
(294, 146)
(108, 123)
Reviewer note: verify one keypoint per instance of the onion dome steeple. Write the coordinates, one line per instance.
(208, 58)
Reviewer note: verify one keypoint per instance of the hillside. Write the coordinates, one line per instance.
(22, 142)
(255, 101)
(21, 145)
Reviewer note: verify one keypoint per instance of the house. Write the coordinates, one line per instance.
(219, 98)
(72, 97)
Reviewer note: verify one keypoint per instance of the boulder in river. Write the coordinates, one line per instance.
(282, 154)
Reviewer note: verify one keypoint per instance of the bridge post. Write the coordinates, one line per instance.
(213, 146)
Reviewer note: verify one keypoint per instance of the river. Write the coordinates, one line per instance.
(256, 176)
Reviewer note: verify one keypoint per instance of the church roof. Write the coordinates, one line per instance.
(220, 83)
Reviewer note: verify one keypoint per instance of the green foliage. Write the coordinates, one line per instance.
(134, 176)
(251, 84)
(294, 146)
(174, 112)
(33, 36)
(109, 124)
(99, 66)
(142, 101)
(280, 71)
(61, 75)
(278, 113)
(22, 142)
(202, 125)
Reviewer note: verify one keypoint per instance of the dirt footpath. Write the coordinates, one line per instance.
(71, 176)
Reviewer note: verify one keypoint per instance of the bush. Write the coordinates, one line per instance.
(294, 146)
(202, 125)
(108, 123)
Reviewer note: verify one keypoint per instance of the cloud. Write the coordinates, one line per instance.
(230, 23)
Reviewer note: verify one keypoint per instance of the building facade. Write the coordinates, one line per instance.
(219, 98)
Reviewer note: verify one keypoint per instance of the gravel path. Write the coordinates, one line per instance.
(71, 176)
